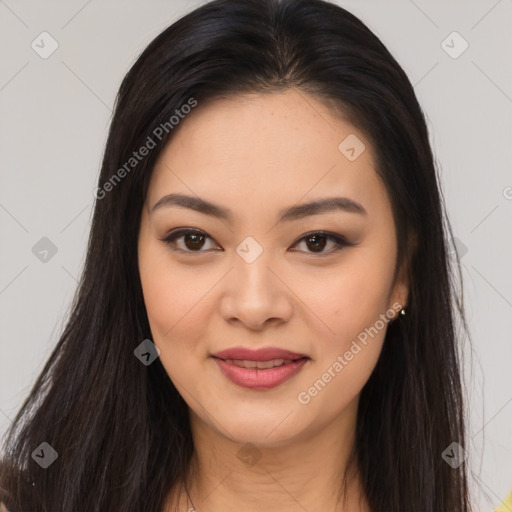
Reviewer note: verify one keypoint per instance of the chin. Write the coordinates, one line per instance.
(269, 431)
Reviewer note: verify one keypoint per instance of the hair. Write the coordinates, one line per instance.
(120, 428)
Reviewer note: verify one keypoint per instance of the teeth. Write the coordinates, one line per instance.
(262, 365)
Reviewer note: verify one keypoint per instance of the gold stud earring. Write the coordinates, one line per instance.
(403, 311)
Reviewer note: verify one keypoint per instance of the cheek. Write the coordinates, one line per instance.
(353, 298)
(175, 300)
(353, 303)
(345, 360)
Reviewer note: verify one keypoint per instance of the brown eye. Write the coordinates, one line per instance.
(193, 241)
(317, 241)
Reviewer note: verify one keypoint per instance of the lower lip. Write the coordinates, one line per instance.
(254, 378)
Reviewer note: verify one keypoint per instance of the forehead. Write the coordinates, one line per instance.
(262, 148)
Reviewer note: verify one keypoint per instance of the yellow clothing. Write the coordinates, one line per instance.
(506, 505)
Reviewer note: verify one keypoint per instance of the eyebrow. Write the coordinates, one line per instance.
(295, 212)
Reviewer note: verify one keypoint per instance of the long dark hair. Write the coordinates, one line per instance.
(120, 428)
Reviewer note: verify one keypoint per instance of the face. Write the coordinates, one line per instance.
(256, 269)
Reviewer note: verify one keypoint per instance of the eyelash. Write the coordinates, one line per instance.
(339, 240)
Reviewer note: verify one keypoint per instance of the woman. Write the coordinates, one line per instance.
(265, 320)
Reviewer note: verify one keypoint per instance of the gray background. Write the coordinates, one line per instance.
(55, 114)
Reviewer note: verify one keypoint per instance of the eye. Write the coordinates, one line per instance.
(317, 240)
(194, 241)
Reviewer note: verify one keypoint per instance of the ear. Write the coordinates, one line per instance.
(399, 296)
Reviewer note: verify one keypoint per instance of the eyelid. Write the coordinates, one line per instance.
(338, 239)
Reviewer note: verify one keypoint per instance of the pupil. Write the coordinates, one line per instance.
(318, 245)
(195, 239)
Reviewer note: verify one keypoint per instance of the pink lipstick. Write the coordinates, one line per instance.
(264, 368)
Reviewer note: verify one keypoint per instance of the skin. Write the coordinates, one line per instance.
(256, 155)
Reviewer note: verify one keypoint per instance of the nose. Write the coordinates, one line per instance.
(256, 295)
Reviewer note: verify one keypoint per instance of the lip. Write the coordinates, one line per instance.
(262, 354)
(255, 378)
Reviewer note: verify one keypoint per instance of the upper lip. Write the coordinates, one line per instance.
(262, 354)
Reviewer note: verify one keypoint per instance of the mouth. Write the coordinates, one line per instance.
(259, 369)
(261, 365)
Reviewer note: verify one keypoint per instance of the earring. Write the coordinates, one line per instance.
(403, 311)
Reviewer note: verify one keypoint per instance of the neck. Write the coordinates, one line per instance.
(311, 472)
